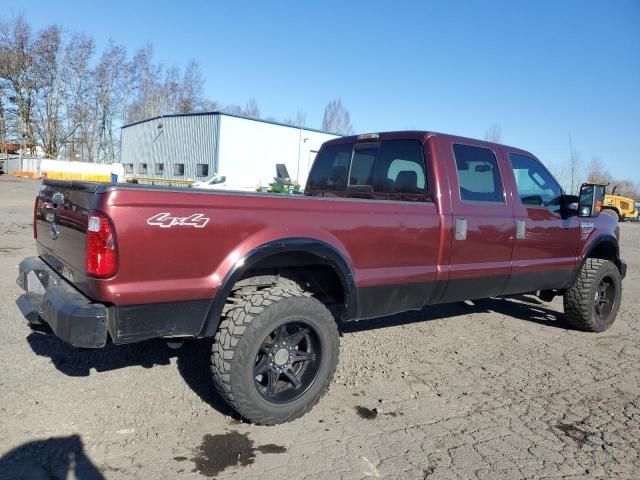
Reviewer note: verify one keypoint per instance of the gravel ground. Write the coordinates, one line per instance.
(488, 390)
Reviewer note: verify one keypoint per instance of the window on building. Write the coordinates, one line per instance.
(159, 169)
(478, 175)
(128, 168)
(142, 168)
(331, 168)
(400, 168)
(536, 187)
(178, 169)
(202, 169)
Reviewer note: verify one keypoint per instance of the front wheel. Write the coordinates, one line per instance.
(274, 354)
(592, 302)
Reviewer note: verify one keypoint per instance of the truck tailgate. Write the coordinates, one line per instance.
(61, 217)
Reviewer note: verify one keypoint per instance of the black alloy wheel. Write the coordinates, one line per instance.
(287, 362)
(605, 297)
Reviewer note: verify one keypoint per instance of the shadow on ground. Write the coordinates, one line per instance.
(193, 357)
(522, 307)
(192, 361)
(55, 457)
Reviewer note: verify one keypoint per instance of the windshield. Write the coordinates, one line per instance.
(217, 179)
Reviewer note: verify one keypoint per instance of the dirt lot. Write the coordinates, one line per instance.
(487, 390)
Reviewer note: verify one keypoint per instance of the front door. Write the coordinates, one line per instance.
(545, 251)
(483, 223)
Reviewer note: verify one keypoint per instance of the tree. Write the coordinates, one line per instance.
(17, 71)
(300, 120)
(251, 109)
(574, 166)
(148, 98)
(233, 109)
(190, 92)
(337, 118)
(47, 60)
(596, 172)
(111, 77)
(80, 105)
(493, 134)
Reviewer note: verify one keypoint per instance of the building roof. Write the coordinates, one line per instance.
(217, 112)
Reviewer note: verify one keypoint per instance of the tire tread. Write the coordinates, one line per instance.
(244, 306)
(578, 300)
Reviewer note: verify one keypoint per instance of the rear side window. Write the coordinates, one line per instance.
(400, 167)
(331, 168)
(478, 174)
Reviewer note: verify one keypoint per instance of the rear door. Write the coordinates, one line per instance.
(546, 244)
(483, 223)
(62, 217)
(391, 227)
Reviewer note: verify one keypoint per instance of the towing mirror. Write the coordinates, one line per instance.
(590, 200)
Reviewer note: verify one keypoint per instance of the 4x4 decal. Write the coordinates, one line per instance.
(165, 220)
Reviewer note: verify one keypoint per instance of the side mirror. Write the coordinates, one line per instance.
(590, 200)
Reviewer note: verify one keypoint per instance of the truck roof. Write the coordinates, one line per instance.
(416, 134)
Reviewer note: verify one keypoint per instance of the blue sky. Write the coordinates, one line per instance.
(538, 69)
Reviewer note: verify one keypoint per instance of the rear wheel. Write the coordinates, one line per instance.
(612, 213)
(592, 303)
(274, 354)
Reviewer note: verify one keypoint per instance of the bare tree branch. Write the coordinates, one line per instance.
(337, 118)
(493, 134)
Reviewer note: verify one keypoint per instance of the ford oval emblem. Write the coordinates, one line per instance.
(54, 231)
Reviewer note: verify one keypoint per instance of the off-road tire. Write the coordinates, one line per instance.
(579, 302)
(612, 213)
(252, 314)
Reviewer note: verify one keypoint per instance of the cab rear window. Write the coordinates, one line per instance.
(389, 167)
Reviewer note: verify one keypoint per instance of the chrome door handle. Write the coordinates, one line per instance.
(521, 229)
(461, 229)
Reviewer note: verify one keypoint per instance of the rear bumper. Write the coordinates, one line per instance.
(49, 299)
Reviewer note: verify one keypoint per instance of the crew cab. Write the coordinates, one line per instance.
(390, 222)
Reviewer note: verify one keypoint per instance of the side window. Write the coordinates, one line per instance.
(159, 168)
(536, 187)
(400, 168)
(364, 158)
(478, 174)
(331, 168)
(128, 168)
(178, 169)
(142, 168)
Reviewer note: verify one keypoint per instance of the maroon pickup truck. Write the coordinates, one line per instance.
(388, 223)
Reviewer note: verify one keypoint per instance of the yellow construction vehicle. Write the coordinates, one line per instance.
(620, 208)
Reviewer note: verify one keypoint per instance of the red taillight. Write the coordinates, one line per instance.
(101, 259)
(35, 218)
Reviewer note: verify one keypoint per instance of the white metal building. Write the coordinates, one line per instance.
(196, 146)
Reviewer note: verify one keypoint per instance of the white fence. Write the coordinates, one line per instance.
(66, 170)
(15, 164)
